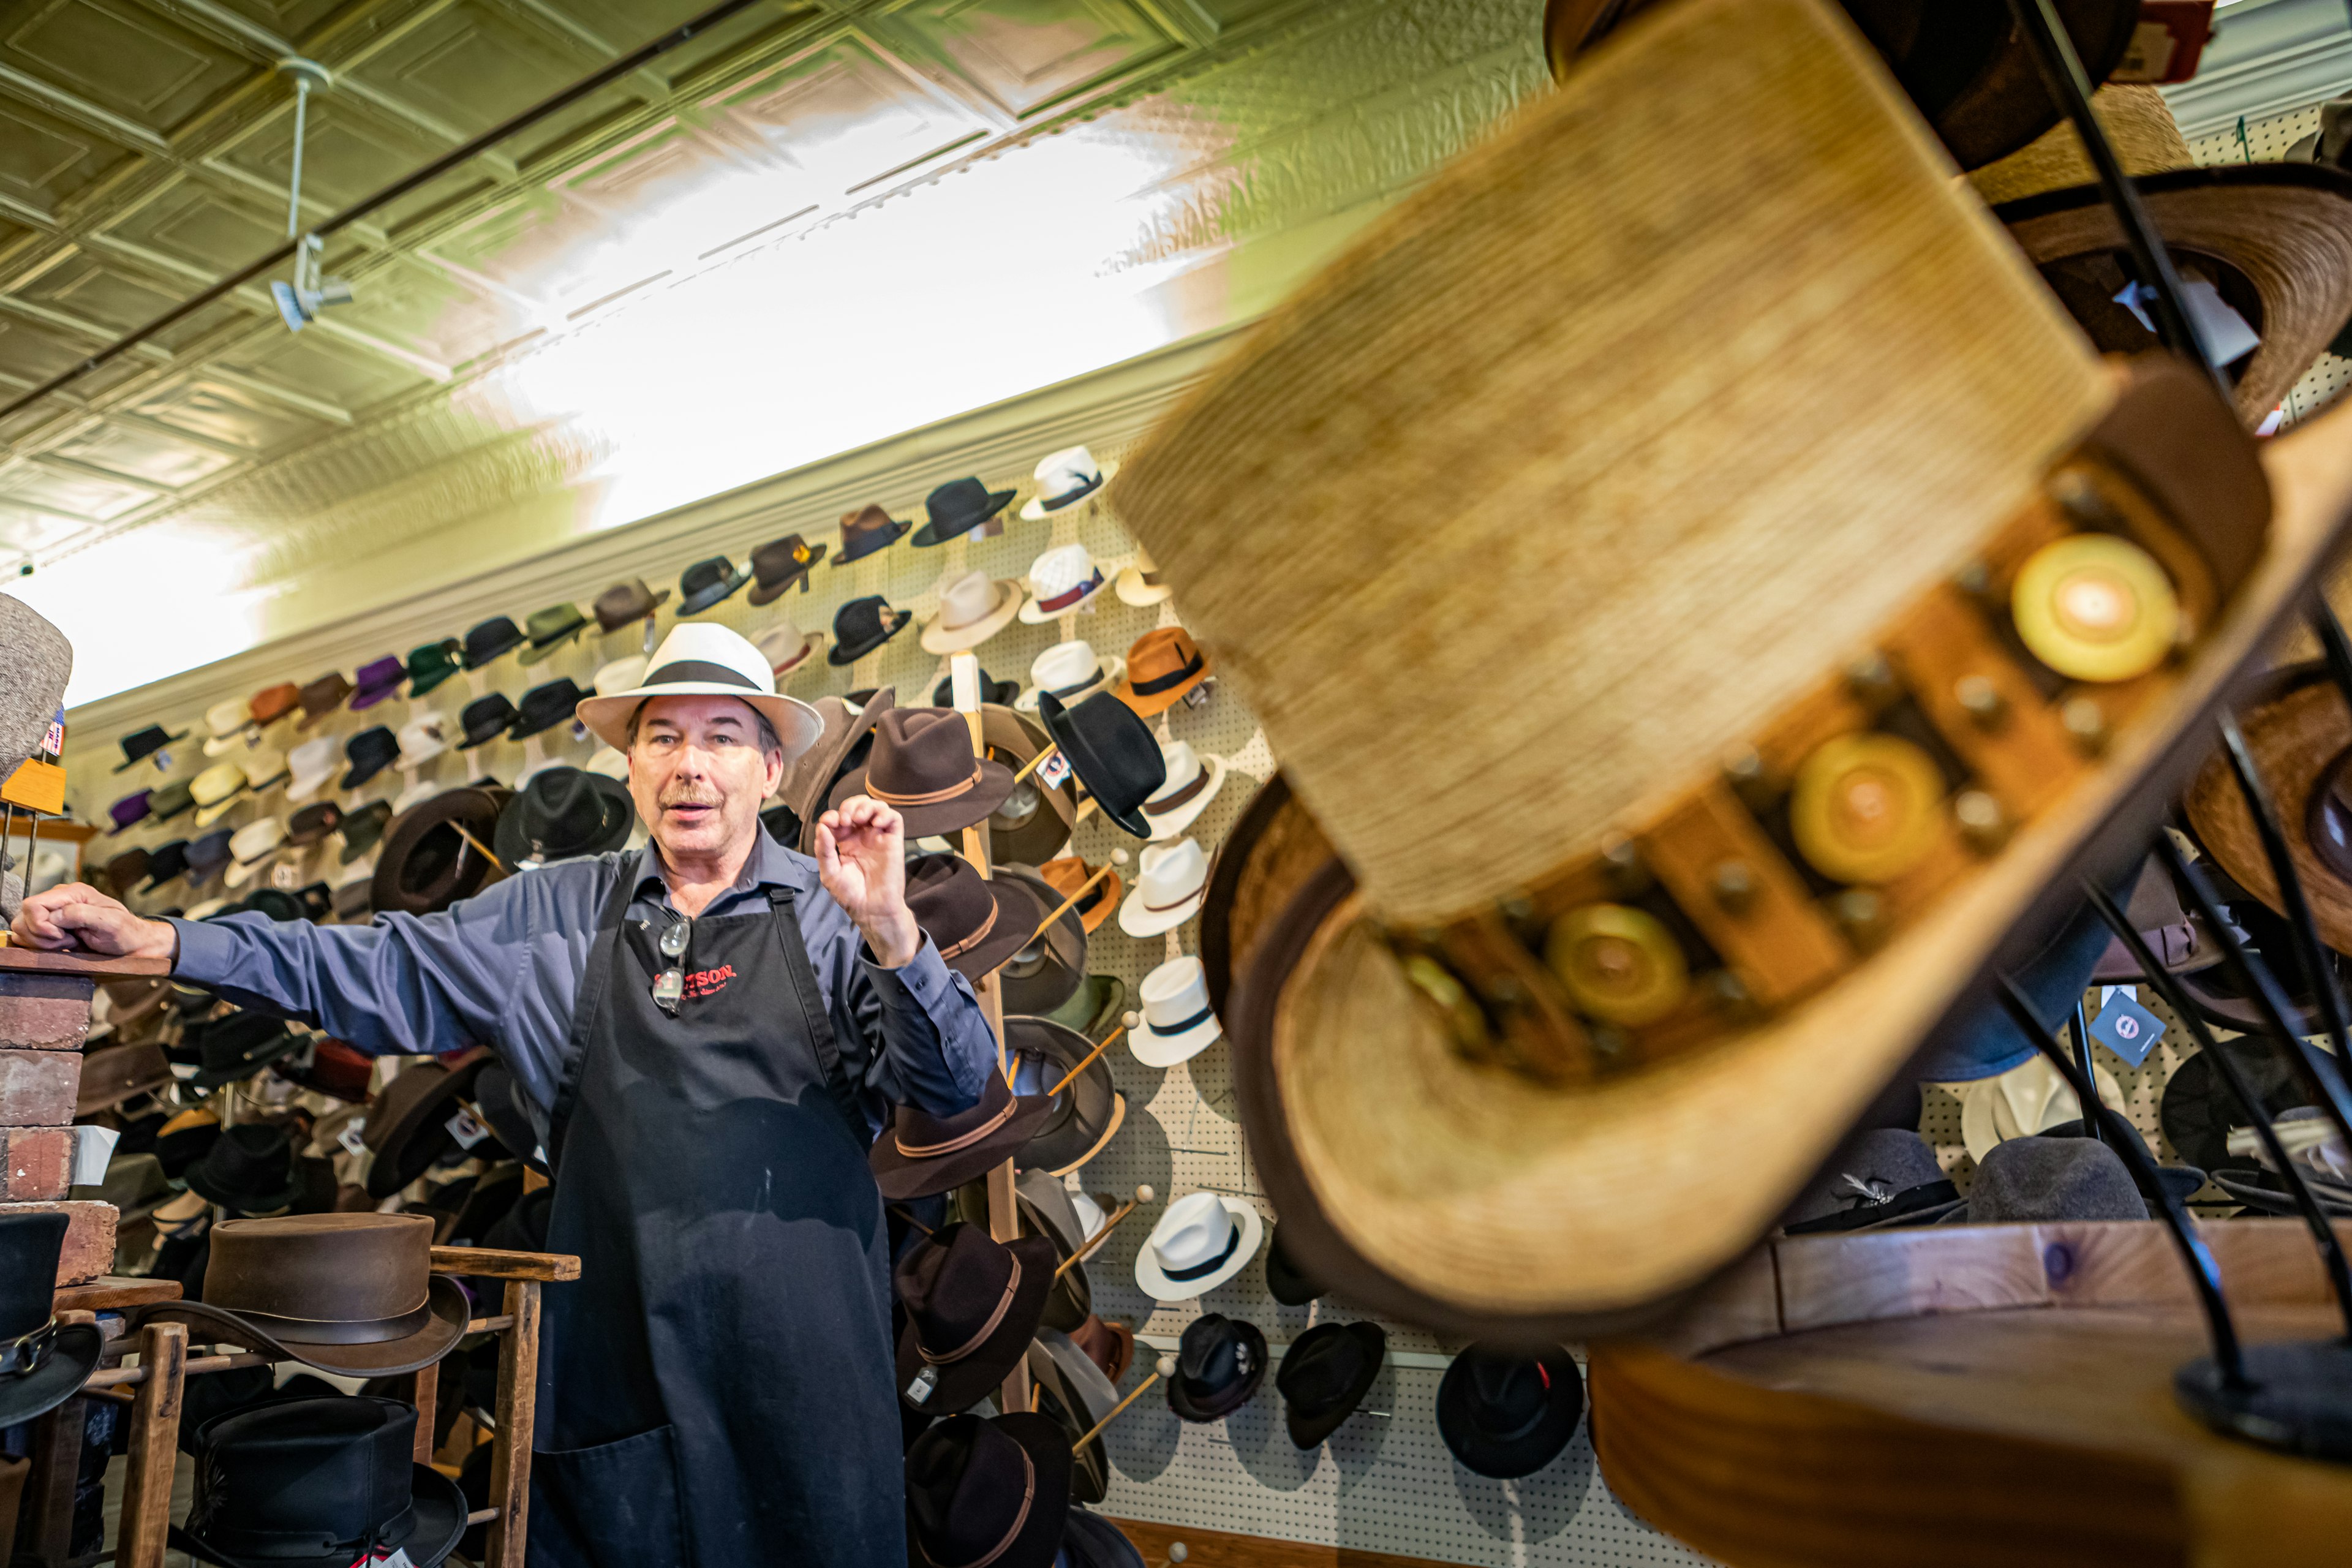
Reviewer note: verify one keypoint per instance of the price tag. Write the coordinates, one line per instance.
(53, 740)
(1199, 696)
(1053, 772)
(2126, 1029)
(350, 1137)
(466, 1130)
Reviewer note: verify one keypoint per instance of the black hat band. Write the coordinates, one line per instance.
(26, 1352)
(1201, 1271)
(702, 669)
(1063, 693)
(1178, 1028)
(1159, 683)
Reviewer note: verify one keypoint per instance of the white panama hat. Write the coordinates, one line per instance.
(1062, 582)
(1203, 1240)
(226, 720)
(699, 660)
(422, 738)
(1065, 478)
(311, 765)
(1192, 782)
(1178, 1024)
(1171, 880)
(1073, 672)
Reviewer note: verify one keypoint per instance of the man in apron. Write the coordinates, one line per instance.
(706, 1032)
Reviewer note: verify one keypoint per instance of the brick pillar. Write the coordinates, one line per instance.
(44, 1019)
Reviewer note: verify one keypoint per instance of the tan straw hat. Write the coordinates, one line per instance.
(1787, 460)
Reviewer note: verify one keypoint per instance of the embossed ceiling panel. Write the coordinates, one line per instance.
(36, 488)
(144, 454)
(353, 381)
(290, 18)
(473, 65)
(1024, 54)
(213, 226)
(351, 152)
(44, 159)
(423, 307)
(29, 529)
(118, 57)
(86, 289)
(845, 113)
(210, 407)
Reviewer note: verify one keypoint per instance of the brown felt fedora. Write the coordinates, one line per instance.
(1778, 446)
(922, 764)
(976, 922)
(844, 730)
(352, 1294)
(920, 1153)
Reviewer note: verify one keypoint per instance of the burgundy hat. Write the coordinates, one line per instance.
(922, 763)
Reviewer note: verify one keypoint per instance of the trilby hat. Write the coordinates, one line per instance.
(972, 608)
(703, 661)
(1064, 478)
(1062, 581)
(1814, 571)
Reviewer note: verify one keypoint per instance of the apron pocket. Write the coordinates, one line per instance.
(612, 1506)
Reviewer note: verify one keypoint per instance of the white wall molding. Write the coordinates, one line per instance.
(2267, 57)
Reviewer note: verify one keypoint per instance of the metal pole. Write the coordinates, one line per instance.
(2309, 951)
(2091, 1127)
(294, 192)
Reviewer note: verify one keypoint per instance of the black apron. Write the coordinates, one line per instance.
(716, 1388)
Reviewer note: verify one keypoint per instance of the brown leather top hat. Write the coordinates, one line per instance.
(920, 1153)
(922, 764)
(322, 697)
(426, 863)
(352, 1294)
(408, 1123)
(1069, 874)
(977, 922)
(779, 564)
(112, 1074)
(973, 1305)
(274, 702)
(624, 602)
(1161, 666)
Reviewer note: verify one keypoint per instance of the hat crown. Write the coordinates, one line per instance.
(216, 782)
(379, 673)
(553, 621)
(871, 518)
(1212, 1355)
(495, 711)
(2046, 1178)
(332, 1473)
(227, 716)
(1196, 1228)
(1071, 469)
(1061, 569)
(1321, 1367)
(1508, 1393)
(1183, 765)
(919, 749)
(551, 698)
(707, 573)
(1176, 991)
(947, 897)
(250, 1160)
(781, 558)
(968, 1488)
(256, 838)
(1171, 868)
(953, 1284)
(971, 597)
(1162, 651)
(338, 1269)
(957, 500)
(561, 811)
(860, 620)
(695, 653)
(312, 758)
(1066, 665)
(374, 744)
(30, 1246)
(621, 675)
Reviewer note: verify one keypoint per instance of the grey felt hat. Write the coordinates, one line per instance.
(1885, 1176)
(2047, 1178)
(35, 660)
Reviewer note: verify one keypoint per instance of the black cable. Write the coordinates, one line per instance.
(2309, 951)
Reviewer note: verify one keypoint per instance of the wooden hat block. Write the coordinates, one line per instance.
(1968, 1395)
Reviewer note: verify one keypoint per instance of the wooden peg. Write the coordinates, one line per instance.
(1085, 1062)
(1031, 766)
(1167, 1368)
(1093, 1244)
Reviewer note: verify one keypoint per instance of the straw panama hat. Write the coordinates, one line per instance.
(972, 608)
(1886, 449)
(703, 661)
(1202, 1240)
(1170, 881)
(1065, 478)
(1062, 582)
(1177, 1023)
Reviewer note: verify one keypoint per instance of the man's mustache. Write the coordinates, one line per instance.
(687, 797)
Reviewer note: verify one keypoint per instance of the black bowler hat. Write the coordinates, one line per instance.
(249, 1170)
(1326, 1373)
(560, 813)
(140, 744)
(363, 827)
(168, 861)
(994, 1491)
(242, 1044)
(546, 706)
(318, 1483)
(370, 752)
(707, 582)
(862, 626)
(486, 719)
(1220, 1361)
(1285, 1282)
(1507, 1416)
(1113, 752)
(492, 639)
(920, 1153)
(973, 1304)
(957, 507)
(42, 1365)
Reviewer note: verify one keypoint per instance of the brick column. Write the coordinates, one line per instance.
(45, 999)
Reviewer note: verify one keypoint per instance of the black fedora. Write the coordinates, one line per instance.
(249, 1170)
(1085, 1115)
(484, 719)
(1045, 973)
(920, 1153)
(989, 1491)
(1285, 1280)
(973, 1305)
(546, 706)
(1220, 1361)
(1001, 692)
(429, 858)
(42, 1364)
(781, 563)
(862, 626)
(140, 744)
(957, 507)
(1506, 1414)
(1112, 750)
(318, 1483)
(707, 582)
(1090, 1540)
(362, 829)
(240, 1044)
(165, 862)
(560, 813)
(493, 639)
(370, 752)
(1326, 1373)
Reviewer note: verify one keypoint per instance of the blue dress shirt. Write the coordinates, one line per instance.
(504, 969)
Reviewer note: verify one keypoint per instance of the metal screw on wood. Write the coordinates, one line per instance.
(1733, 884)
(2086, 722)
(1871, 680)
(1984, 824)
(1980, 699)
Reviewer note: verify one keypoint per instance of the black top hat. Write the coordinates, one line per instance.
(249, 1170)
(1285, 1282)
(1112, 752)
(408, 1123)
(41, 1365)
(1085, 1114)
(862, 626)
(140, 744)
(318, 1483)
(484, 719)
(241, 1044)
(546, 706)
(1326, 1373)
(1220, 1361)
(370, 752)
(993, 1491)
(434, 663)
(560, 813)
(426, 863)
(920, 1153)
(973, 1304)
(363, 827)
(707, 582)
(1043, 974)
(957, 507)
(779, 564)
(1001, 692)
(171, 800)
(167, 861)
(492, 639)
(1507, 1416)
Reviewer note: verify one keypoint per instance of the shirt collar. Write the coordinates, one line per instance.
(771, 865)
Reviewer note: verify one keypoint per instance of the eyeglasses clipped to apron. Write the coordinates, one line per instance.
(670, 984)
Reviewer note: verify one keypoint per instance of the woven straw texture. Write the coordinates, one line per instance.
(2138, 126)
(1671, 416)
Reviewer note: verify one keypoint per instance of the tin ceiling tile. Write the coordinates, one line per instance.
(90, 291)
(76, 495)
(228, 414)
(324, 367)
(844, 113)
(44, 159)
(347, 151)
(132, 61)
(144, 454)
(1024, 54)
(424, 308)
(28, 529)
(473, 66)
(217, 228)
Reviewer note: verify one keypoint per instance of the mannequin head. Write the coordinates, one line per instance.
(699, 768)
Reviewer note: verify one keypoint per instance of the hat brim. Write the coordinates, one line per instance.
(965, 1382)
(208, 1324)
(1310, 1431)
(1088, 766)
(1033, 612)
(769, 592)
(658, 597)
(1138, 920)
(1112, 673)
(127, 764)
(241, 872)
(407, 1149)
(796, 723)
(2294, 728)
(717, 593)
(1037, 508)
(1154, 1282)
(1232, 1399)
(940, 639)
(842, 655)
(874, 544)
(902, 1176)
(476, 810)
(436, 1514)
(208, 814)
(970, 809)
(935, 533)
(1522, 1456)
(1157, 1050)
(1133, 590)
(1048, 1447)
(1173, 824)
(539, 652)
(73, 1356)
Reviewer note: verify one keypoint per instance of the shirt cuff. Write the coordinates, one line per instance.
(207, 951)
(923, 983)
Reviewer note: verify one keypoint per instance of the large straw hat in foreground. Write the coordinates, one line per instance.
(1700, 482)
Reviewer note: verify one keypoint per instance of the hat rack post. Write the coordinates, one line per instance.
(1003, 1210)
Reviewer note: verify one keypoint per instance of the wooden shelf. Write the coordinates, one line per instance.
(89, 965)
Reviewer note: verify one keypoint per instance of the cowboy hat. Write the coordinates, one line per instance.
(407, 1122)
(972, 608)
(1520, 249)
(2298, 737)
(1065, 478)
(703, 661)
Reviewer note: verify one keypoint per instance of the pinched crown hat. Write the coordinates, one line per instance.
(703, 661)
(923, 766)
(1062, 580)
(1919, 489)
(1065, 478)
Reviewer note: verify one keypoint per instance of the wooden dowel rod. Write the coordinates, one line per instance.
(482, 1516)
(1066, 905)
(1094, 1431)
(1086, 1061)
(1031, 764)
(121, 1376)
(478, 845)
(1094, 1243)
(490, 1325)
(901, 1210)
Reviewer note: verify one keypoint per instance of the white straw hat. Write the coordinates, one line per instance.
(698, 659)
(1065, 478)
(1203, 1240)
(1138, 582)
(1192, 782)
(621, 675)
(264, 766)
(1168, 888)
(226, 720)
(786, 647)
(1073, 672)
(973, 609)
(250, 848)
(214, 791)
(422, 738)
(1062, 581)
(1177, 1023)
(312, 764)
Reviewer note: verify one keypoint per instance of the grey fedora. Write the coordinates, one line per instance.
(1885, 1176)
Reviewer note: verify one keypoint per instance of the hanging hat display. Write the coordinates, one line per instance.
(1201, 1240)
(786, 647)
(1219, 1364)
(861, 626)
(1171, 880)
(1069, 874)
(972, 608)
(550, 629)
(867, 529)
(1326, 1372)
(958, 507)
(1177, 1023)
(1063, 581)
(1071, 1391)
(249, 846)
(486, 719)
(249, 1170)
(319, 699)
(369, 752)
(376, 680)
(1069, 672)
(708, 583)
(1193, 782)
(781, 565)
(433, 663)
(977, 922)
(215, 791)
(1064, 478)
(1112, 752)
(422, 738)
(129, 810)
(408, 1123)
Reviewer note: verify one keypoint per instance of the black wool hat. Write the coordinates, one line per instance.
(1506, 1414)
(546, 706)
(861, 626)
(370, 752)
(1112, 750)
(1284, 1278)
(974, 1303)
(561, 813)
(919, 1154)
(242, 1044)
(1326, 1373)
(1220, 1361)
(362, 828)
(484, 719)
(993, 1491)
(249, 1170)
(492, 639)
